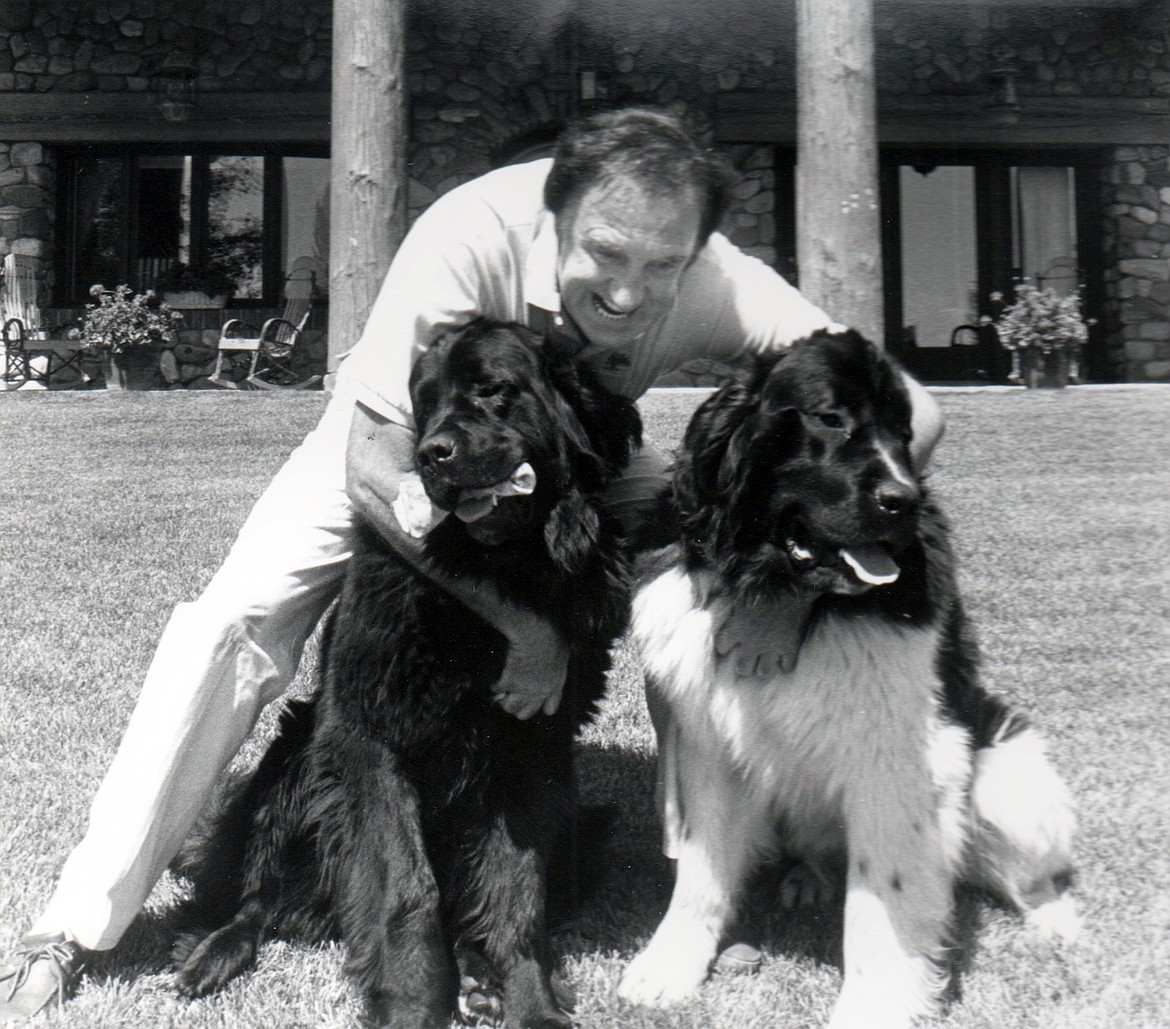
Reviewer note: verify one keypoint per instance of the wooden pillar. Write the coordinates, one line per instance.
(838, 221)
(368, 185)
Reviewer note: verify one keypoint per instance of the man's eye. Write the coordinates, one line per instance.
(829, 419)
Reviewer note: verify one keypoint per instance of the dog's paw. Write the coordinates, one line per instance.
(664, 974)
(1056, 920)
(208, 965)
(855, 1010)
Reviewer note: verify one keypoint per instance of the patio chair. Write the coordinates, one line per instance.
(269, 359)
(26, 342)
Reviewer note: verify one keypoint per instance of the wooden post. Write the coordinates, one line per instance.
(838, 221)
(368, 185)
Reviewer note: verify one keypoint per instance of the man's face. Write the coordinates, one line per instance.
(621, 253)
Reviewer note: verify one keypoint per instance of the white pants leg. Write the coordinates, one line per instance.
(220, 660)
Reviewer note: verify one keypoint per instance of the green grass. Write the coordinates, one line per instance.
(115, 507)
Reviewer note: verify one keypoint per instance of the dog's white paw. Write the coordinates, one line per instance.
(855, 1009)
(1057, 920)
(664, 974)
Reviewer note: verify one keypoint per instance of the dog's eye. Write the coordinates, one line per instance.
(829, 419)
(496, 391)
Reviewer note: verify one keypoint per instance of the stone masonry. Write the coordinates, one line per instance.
(482, 77)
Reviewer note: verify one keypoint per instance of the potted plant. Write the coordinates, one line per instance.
(130, 330)
(1044, 331)
(206, 285)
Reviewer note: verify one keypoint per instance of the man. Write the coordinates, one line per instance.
(610, 250)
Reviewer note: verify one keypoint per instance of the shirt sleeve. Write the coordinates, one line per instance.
(449, 269)
(758, 311)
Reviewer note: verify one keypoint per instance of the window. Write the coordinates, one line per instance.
(960, 226)
(131, 217)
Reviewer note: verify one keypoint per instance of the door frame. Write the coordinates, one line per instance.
(993, 236)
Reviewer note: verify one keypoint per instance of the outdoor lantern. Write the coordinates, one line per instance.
(174, 82)
(1005, 101)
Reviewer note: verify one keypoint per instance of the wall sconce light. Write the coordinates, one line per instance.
(174, 84)
(1005, 101)
(592, 86)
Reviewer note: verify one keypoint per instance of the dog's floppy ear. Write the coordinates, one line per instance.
(571, 532)
(611, 422)
(710, 449)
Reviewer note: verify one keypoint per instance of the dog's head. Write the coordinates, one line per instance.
(511, 438)
(801, 478)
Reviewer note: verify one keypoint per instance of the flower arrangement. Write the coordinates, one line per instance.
(123, 320)
(1046, 319)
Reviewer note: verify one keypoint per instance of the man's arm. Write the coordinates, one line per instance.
(926, 423)
(380, 453)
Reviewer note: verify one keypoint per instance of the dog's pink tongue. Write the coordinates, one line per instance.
(871, 564)
(479, 502)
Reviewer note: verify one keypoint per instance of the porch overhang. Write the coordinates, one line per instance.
(218, 117)
(966, 121)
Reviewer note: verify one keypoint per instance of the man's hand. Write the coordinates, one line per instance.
(534, 671)
(763, 638)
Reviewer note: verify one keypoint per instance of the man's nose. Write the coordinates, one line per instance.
(625, 294)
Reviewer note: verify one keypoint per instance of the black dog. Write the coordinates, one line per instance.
(874, 745)
(401, 807)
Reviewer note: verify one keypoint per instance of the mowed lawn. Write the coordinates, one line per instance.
(114, 507)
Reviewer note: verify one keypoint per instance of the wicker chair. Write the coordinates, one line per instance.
(30, 353)
(269, 359)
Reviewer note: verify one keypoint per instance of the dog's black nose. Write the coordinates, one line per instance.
(436, 449)
(896, 498)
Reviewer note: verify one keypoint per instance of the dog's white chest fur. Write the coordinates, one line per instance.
(862, 697)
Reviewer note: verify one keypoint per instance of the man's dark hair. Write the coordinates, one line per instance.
(653, 148)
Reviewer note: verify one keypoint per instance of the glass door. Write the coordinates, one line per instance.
(959, 228)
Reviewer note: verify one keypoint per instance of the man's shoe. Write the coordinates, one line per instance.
(739, 959)
(44, 970)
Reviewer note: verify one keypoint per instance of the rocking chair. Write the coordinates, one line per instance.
(30, 353)
(268, 359)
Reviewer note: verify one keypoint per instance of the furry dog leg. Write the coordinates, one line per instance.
(1023, 826)
(386, 894)
(904, 821)
(507, 899)
(717, 849)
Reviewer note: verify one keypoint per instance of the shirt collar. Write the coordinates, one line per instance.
(540, 271)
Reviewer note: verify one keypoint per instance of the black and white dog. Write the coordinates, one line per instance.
(877, 749)
(401, 808)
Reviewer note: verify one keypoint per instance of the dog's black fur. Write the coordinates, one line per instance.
(401, 807)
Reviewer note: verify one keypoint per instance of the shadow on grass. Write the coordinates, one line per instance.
(628, 887)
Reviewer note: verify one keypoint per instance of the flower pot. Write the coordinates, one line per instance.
(193, 299)
(1041, 370)
(132, 369)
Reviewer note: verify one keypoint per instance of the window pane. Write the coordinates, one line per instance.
(98, 216)
(164, 216)
(306, 216)
(1044, 209)
(235, 236)
(939, 271)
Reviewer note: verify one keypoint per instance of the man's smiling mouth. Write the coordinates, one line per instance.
(603, 309)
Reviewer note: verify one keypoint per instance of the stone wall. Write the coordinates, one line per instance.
(1137, 247)
(482, 79)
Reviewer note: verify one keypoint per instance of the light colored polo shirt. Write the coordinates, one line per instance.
(489, 248)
